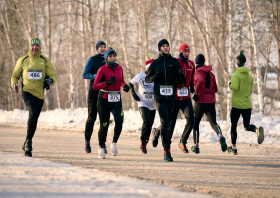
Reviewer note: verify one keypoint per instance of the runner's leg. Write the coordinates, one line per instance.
(187, 108)
(173, 119)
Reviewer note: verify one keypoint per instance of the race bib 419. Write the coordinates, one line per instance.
(166, 90)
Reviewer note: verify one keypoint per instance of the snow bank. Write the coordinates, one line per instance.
(30, 177)
(75, 120)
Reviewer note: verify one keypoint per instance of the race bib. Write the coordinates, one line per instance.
(182, 91)
(34, 74)
(114, 97)
(148, 96)
(166, 90)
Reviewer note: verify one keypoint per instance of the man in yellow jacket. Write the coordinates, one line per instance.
(242, 86)
(33, 68)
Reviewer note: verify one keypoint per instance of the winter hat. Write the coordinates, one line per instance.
(99, 43)
(241, 59)
(200, 59)
(35, 41)
(108, 50)
(148, 63)
(161, 42)
(183, 47)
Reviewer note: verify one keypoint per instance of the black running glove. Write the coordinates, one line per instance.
(49, 81)
(134, 95)
(192, 88)
(126, 88)
(111, 81)
(195, 97)
(229, 84)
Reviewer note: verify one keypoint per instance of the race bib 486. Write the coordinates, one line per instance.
(34, 74)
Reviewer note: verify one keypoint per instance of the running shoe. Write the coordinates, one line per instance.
(28, 153)
(87, 146)
(183, 147)
(101, 153)
(105, 149)
(167, 156)
(155, 137)
(232, 151)
(143, 147)
(223, 143)
(260, 134)
(195, 149)
(114, 149)
(27, 146)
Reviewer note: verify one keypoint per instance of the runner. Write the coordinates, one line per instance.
(183, 100)
(205, 99)
(242, 86)
(109, 80)
(163, 72)
(91, 68)
(146, 104)
(33, 68)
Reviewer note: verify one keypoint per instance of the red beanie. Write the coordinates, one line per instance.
(184, 47)
(148, 63)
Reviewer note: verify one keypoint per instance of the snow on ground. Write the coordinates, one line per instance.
(30, 177)
(75, 120)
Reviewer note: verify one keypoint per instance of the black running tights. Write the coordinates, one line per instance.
(104, 109)
(210, 111)
(234, 117)
(34, 106)
(148, 117)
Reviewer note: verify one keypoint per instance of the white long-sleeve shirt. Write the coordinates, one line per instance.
(145, 91)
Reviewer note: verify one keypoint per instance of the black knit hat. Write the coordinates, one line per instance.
(241, 59)
(99, 43)
(161, 42)
(200, 59)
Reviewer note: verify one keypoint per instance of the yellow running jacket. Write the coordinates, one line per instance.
(33, 69)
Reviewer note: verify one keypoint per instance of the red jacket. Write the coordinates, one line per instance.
(205, 84)
(105, 73)
(188, 68)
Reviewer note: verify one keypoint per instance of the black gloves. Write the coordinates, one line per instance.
(111, 81)
(126, 88)
(48, 80)
(192, 88)
(134, 95)
(229, 84)
(195, 97)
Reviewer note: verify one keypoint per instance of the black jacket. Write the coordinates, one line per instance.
(170, 73)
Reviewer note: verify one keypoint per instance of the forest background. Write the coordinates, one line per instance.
(69, 30)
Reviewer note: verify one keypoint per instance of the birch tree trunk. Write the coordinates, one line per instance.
(108, 24)
(49, 49)
(71, 70)
(230, 58)
(90, 26)
(259, 81)
(84, 48)
(124, 51)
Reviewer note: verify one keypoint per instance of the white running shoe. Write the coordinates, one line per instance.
(101, 153)
(114, 149)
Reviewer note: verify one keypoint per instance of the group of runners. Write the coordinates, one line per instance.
(165, 86)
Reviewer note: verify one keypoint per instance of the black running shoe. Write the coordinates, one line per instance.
(260, 134)
(28, 153)
(232, 151)
(167, 156)
(87, 146)
(155, 137)
(143, 147)
(223, 144)
(195, 150)
(27, 146)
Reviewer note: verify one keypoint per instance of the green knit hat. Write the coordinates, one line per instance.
(35, 41)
